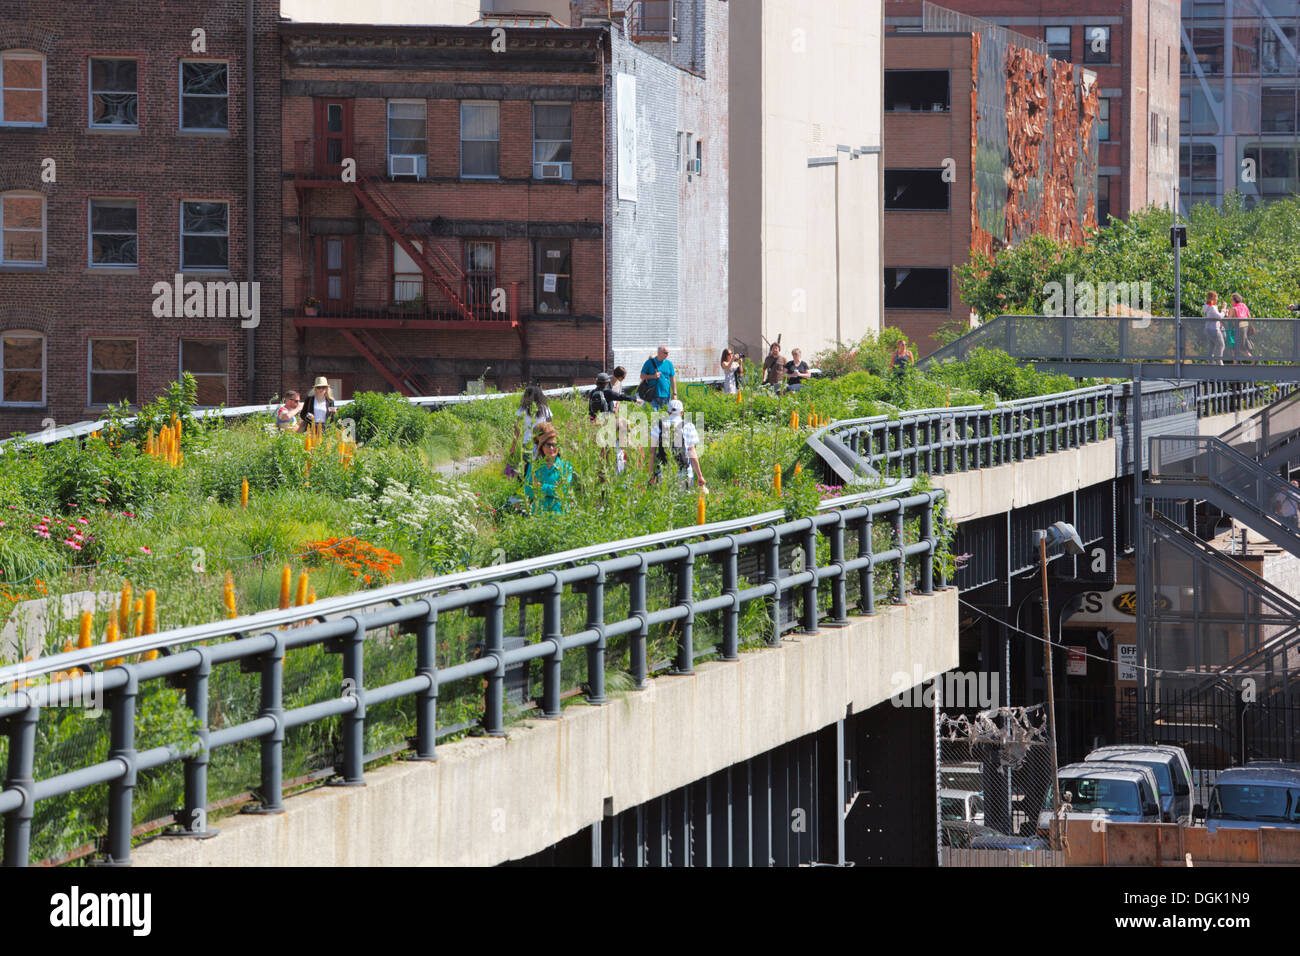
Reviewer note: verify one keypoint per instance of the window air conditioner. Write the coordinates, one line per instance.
(552, 171)
(404, 165)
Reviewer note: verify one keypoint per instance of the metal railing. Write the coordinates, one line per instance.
(1111, 345)
(398, 301)
(940, 441)
(1269, 436)
(261, 644)
(1204, 467)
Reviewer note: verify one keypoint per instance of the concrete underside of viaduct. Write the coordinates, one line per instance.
(489, 800)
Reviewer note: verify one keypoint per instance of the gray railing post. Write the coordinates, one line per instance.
(426, 702)
(552, 665)
(353, 731)
(773, 561)
(122, 748)
(685, 596)
(636, 588)
(596, 652)
(901, 583)
(20, 775)
(810, 614)
(867, 575)
(927, 535)
(194, 816)
(271, 666)
(731, 616)
(494, 646)
(840, 588)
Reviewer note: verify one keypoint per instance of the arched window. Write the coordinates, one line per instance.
(22, 368)
(22, 88)
(22, 229)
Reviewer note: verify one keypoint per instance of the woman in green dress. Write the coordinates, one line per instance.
(548, 478)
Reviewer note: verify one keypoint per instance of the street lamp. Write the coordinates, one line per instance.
(1064, 534)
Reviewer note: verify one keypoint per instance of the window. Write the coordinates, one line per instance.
(205, 235)
(22, 88)
(112, 371)
(916, 288)
(480, 272)
(1096, 44)
(1207, 47)
(653, 18)
(915, 189)
(1103, 119)
(699, 157)
(1277, 109)
(22, 229)
(206, 361)
(22, 368)
(205, 95)
(480, 140)
(113, 233)
(552, 141)
(1155, 129)
(1198, 169)
(553, 281)
(408, 280)
(684, 141)
(916, 90)
(407, 144)
(114, 94)
(1103, 201)
(1058, 42)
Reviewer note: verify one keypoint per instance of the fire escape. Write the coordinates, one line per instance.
(442, 297)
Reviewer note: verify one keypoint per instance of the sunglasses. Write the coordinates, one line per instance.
(551, 444)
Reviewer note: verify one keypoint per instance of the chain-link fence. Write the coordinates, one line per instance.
(994, 788)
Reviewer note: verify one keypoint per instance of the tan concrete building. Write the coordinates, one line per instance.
(806, 180)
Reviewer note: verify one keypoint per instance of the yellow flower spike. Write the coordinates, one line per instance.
(737, 396)
(794, 419)
(84, 637)
(798, 468)
(228, 595)
(243, 493)
(124, 607)
(776, 477)
(699, 510)
(138, 627)
(286, 575)
(111, 637)
(301, 597)
(311, 596)
(150, 611)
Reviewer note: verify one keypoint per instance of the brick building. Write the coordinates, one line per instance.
(528, 202)
(125, 160)
(1130, 45)
(987, 140)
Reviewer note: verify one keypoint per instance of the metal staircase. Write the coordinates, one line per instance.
(1271, 436)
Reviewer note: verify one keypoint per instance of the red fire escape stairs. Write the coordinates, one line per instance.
(438, 267)
(403, 376)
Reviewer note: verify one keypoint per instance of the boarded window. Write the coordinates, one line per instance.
(22, 368)
(554, 280)
(207, 362)
(113, 371)
(22, 229)
(22, 89)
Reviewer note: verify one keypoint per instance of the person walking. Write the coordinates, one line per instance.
(730, 372)
(677, 442)
(286, 416)
(773, 366)
(1241, 315)
(534, 409)
(659, 371)
(604, 397)
(548, 478)
(1214, 328)
(319, 408)
(796, 370)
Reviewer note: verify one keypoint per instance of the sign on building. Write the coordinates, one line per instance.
(1076, 662)
(1127, 655)
(626, 96)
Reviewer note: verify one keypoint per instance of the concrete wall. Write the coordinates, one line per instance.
(991, 491)
(486, 801)
(460, 12)
(805, 78)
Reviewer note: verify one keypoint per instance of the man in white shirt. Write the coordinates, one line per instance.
(674, 440)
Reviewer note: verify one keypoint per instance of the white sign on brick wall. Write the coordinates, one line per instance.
(627, 137)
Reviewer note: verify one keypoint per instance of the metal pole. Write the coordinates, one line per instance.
(1178, 295)
(1140, 555)
(1051, 692)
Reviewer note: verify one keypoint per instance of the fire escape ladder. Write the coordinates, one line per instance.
(435, 263)
(358, 340)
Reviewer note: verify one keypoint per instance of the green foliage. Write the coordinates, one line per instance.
(1234, 249)
(997, 375)
(387, 418)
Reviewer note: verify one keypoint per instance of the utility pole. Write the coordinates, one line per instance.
(1051, 693)
(1178, 239)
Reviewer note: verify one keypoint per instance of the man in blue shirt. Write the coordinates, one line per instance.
(659, 370)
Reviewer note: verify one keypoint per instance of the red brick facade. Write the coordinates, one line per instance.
(67, 299)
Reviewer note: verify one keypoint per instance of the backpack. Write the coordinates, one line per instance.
(597, 402)
(648, 390)
(678, 446)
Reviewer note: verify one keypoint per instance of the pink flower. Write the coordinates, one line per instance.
(82, 521)
(72, 544)
(43, 533)
(145, 549)
(127, 514)
(72, 527)
(2, 524)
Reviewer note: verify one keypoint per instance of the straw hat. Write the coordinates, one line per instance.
(321, 382)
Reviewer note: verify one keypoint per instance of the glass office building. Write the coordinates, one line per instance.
(1240, 76)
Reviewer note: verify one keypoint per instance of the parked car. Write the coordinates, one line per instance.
(1259, 795)
(965, 835)
(966, 805)
(1125, 793)
(1173, 774)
